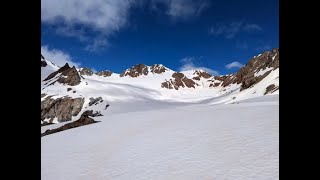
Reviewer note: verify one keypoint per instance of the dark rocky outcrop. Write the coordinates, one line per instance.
(90, 113)
(246, 75)
(196, 78)
(86, 71)
(250, 80)
(69, 76)
(214, 84)
(104, 73)
(95, 101)
(271, 88)
(82, 121)
(62, 108)
(180, 80)
(135, 71)
(202, 74)
(45, 123)
(43, 62)
(158, 69)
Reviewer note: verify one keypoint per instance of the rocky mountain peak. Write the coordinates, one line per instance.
(135, 71)
(158, 69)
(43, 62)
(104, 73)
(179, 81)
(65, 75)
(247, 75)
(202, 73)
(86, 71)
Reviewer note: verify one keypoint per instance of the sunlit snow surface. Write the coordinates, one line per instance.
(149, 132)
(178, 141)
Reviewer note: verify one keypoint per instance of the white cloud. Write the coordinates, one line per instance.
(252, 27)
(185, 8)
(188, 64)
(102, 16)
(234, 64)
(180, 9)
(229, 31)
(58, 57)
(94, 21)
(106, 15)
(97, 45)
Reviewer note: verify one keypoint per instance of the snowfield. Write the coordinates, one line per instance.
(151, 139)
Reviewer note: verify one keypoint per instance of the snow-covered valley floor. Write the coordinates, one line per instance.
(192, 141)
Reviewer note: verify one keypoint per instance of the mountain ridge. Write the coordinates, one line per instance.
(258, 77)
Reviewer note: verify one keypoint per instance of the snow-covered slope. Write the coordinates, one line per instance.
(199, 141)
(47, 68)
(142, 83)
(223, 127)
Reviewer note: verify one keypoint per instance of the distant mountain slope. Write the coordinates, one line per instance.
(72, 91)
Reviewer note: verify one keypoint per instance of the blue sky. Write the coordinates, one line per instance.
(218, 35)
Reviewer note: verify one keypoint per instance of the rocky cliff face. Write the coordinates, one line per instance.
(82, 121)
(158, 69)
(201, 74)
(61, 108)
(65, 75)
(253, 72)
(135, 71)
(86, 71)
(43, 62)
(247, 75)
(179, 81)
(141, 69)
(104, 73)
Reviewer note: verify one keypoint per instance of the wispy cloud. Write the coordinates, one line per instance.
(182, 9)
(230, 30)
(102, 16)
(234, 64)
(97, 45)
(94, 21)
(188, 64)
(252, 27)
(58, 57)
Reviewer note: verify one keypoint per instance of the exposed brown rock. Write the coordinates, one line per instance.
(135, 71)
(249, 81)
(82, 121)
(271, 88)
(104, 73)
(202, 74)
(245, 75)
(68, 76)
(196, 78)
(86, 71)
(180, 80)
(62, 108)
(95, 101)
(43, 95)
(158, 69)
(69, 89)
